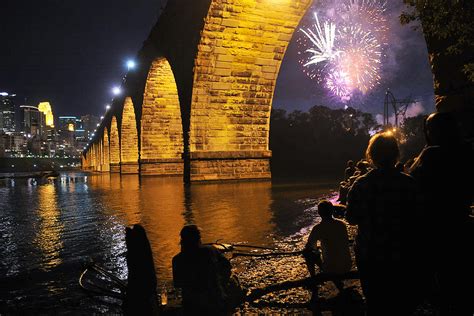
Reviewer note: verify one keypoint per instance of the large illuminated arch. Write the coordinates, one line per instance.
(114, 144)
(94, 157)
(128, 139)
(105, 151)
(161, 128)
(239, 56)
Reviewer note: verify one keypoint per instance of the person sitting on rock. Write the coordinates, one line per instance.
(333, 256)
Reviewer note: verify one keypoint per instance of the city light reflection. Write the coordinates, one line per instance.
(49, 236)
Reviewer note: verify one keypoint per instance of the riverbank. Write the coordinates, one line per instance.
(28, 175)
(17, 165)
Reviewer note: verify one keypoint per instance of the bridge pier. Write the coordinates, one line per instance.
(129, 168)
(246, 165)
(115, 168)
(161, 167)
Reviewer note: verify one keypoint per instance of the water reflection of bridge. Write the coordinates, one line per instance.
(164, 205)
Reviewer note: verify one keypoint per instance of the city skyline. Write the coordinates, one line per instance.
(35, 131)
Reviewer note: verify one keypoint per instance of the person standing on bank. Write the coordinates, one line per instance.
(333, 256)
(444, 171)
(384, 205)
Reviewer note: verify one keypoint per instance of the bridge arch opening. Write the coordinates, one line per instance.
(239, 56)
(128, 139)
(161, 136)
(238, 62)
(114, 144)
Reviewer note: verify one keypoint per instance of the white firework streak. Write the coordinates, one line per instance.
(323, 42)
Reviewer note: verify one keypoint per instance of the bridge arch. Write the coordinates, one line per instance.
(237, 64)
(100, 155)
(114, 146)
(94, 157)
(128, 139)
(161, 137)
(105, 151)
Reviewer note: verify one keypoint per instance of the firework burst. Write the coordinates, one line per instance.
(361, 58)
(323, 41)
(346, 56)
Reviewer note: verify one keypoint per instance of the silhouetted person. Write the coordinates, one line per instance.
(141, 287)
(333, 256)
(344, 185)
(444, 172)
(203, 274)
(383, 204)
(361, 168)
(350, 169)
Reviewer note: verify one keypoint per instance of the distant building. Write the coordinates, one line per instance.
(15, 144)
(7, 112)
(3, 142)
(45, 108)
(89, 124)
(67, 123)
(33, 121)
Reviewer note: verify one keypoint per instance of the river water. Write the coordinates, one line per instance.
(50, 230)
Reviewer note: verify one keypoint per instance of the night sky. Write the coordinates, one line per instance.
(72, 53)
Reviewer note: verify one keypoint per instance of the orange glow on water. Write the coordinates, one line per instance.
(49, 236)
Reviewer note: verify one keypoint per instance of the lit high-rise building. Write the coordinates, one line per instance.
(33, 121)
(45, 108)
(7, 112)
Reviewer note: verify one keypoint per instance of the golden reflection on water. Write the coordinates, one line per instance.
(231, 212)
(129, 199)
(49, 236)
(162, 207)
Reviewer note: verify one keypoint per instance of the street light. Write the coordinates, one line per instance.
(107, 107)
(131, 64)
(116, 90)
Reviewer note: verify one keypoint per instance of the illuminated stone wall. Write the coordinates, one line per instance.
(225, 56)
(128, 139)
(161, 127)
(84, 162)
(105, 152)
(114, 148)
(239, 56)
(94, 157)
(100, 157)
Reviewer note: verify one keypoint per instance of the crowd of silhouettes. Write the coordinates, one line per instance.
(413, 242)
(414, 225)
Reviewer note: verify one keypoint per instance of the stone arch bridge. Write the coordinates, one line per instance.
(199, 102)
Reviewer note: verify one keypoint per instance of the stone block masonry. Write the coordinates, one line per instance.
(240, 165)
